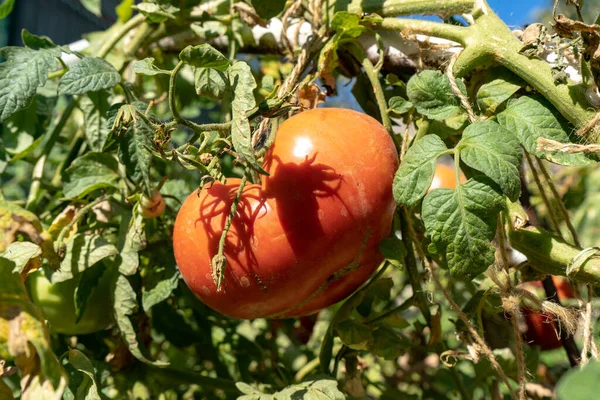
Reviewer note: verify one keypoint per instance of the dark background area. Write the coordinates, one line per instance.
(64, 21)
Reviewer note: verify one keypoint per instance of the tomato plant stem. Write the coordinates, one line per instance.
(490, 40)
(178, 120)
(392, 8)
(552, 255)
(373, 75)
(35, 188)
(455, 33)
(410, 262)
(119, 34)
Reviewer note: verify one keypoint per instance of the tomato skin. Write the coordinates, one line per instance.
(444, 178)
(153, 206)
(57, 304)
(542, 330)
(564, 290)
(330, 187)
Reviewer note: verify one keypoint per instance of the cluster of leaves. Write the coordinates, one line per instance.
(80, 144)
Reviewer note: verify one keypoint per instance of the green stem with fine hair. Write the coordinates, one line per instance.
(35, 192)
(392, 8)
(410, 261)
(178, 120)
(119, 34)
(502, 47)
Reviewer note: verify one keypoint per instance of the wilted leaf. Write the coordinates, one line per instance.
(82, 251)
(125, 306)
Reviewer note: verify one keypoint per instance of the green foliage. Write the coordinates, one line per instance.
(462, 223)
(414, 176)
(432, 95)
(91, 74)
(493, 150)
(579, 384)
(184, 93)
(24, 70)
(531, 118)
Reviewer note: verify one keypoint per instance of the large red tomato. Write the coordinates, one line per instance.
(307, 237)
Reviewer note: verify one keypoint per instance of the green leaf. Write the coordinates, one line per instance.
(463, 222)
(132, 239)
(91, 172)
(21, 74)
(133, 145)
(93, 6)
(342, 314)
(243, 84)
(36, 42)
(531, 118)
(125, 306)
(355, 335)
(159, 283)
(24, 334)
(210, 83)
(580, 384)
(89, 75)
(322, 389)
(381, 288)
(157, 13)
(21, 253)
(82, 251)
(388, 344)
(347, 25)
(204, 56)
(496, 91)
(399, 106)
(88, 388)
(490, 148)
(268, 9)
(95, 107)
(6, 8)
(20, 130)
(416, 172)
(432, 95)
(147, 67)
(247, 389)
(125, 10)
(394, 320)
(393, 250)
(88, 280)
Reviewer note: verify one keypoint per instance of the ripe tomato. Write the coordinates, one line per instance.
(444, 178)
(542, 330)
(325, 206)
(563, 288)
(153, 206)
(58, 307)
